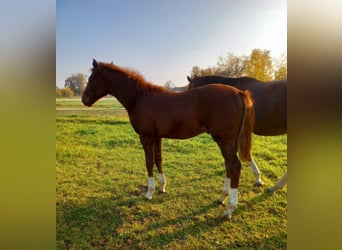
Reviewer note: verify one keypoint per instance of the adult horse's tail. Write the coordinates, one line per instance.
(244, 140)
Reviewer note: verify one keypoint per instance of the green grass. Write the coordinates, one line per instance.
(101, 182)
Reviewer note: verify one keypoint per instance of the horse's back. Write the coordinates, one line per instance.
(270, 106)
(270, 100)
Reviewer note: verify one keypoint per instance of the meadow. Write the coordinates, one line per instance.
(101, 181)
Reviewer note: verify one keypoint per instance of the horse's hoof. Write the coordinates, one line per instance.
(148, 197)
(227, 217)
(162, 192)
(220, 202)
(258, 184)
(269, 190)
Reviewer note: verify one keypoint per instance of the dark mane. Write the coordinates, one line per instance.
(223, 79)
(143, 85)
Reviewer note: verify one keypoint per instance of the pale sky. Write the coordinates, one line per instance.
(163, 39)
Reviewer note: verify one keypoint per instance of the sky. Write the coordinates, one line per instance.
(164, 39)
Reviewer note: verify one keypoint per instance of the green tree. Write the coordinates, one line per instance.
(231, 65)
(197, 71)
(64, 92)
(259, 65)
(280, 66)
(77, 83)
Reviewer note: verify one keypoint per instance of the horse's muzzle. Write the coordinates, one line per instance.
(86, 101)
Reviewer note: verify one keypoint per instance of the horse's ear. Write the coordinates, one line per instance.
(189, 79)
(111, 62)
(94, 63)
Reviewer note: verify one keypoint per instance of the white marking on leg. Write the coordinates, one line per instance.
(233, 201)
(162, 181)
(225, 190)
(280, 184)
(257, 173)
(150, 188)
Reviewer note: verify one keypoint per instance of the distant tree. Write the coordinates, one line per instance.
(77, 83)
(64, 92)
(259, 65)
(280, 68)
(58, 92)
(169, 85)
(196, 71)
(232, 65)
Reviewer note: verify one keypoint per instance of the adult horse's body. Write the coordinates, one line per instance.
(270, 105)
(222, 111)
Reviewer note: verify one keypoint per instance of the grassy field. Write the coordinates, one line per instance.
(101, 181)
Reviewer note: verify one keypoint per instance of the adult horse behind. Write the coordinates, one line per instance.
(224, 112)
(270, 105)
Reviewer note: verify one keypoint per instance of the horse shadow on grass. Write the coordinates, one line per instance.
(208, 218)
(123, 221)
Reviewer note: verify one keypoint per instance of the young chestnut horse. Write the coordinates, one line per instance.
(270, 105)
(154, 112)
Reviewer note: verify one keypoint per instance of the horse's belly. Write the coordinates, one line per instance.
(181, 131)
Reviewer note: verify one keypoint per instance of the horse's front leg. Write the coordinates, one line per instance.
(148, 145)
(225, 191)
(158, 162)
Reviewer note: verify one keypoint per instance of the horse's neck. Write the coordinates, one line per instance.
(125, 90)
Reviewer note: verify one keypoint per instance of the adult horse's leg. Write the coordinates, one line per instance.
(233, 168)
(158, 162)
(257, 174)
(279, 185)
(148, 144)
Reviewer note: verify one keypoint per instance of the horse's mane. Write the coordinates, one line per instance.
(223, 79)
(143, 85)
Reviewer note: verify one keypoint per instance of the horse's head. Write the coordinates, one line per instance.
(190, 85)
(96, 86)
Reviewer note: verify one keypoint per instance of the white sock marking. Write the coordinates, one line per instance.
(225, 190)
(150, 188)
(162, 181)
(233, 200)
(280, 184)
(256, 173)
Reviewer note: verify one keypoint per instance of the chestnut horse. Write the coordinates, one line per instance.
(270, 105)
(224, 112)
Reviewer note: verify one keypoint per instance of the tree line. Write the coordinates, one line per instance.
(74, 86)
(259, 65)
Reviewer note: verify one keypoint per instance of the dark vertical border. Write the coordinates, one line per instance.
(314, 124)
(27, 127)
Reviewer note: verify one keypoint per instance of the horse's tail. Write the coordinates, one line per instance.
(244, 140)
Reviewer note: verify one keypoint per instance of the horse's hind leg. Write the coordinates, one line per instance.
(257, 174)
(158, 162)
(233, 168)
(279, 185)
